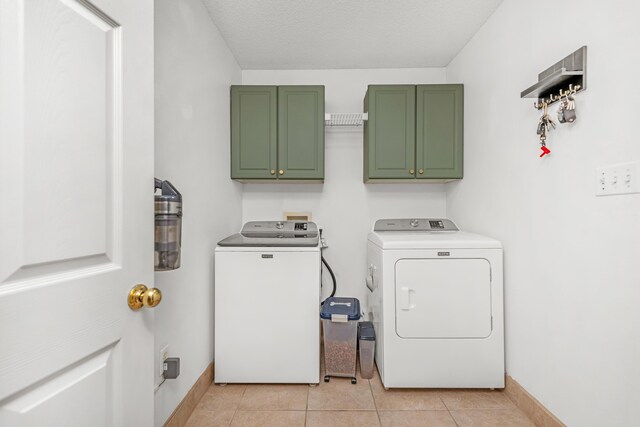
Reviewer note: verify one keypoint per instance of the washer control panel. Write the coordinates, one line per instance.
(415, 224)
(436, 224)
(301, 226)
(280, 228)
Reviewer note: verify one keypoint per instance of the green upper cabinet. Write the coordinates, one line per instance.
(254, 132)
(439, 129)
(277, 132)
(390, 144)
(413, 132)
(301, 132)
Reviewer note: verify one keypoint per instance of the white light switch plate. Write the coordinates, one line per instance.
(618, 179)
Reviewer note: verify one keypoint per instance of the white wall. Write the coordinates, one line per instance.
(572, 260)
(344, 206)
(194, 69)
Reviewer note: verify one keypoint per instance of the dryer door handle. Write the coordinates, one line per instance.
(405, 298)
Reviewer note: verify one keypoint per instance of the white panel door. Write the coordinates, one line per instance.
(76, 212)
(443, 298)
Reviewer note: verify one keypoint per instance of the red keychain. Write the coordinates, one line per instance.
(545, 150)
(544, 125)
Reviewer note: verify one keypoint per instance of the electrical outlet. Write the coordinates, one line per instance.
(171, 368)
(323, 240)
(164, 355)
(618, 179)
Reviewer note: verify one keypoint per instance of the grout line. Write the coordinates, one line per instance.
(246, 386)
(306, 411)
(444, 403)
(235, 411)
(448, 409)
(375, 405)
(454, 420)
(233, 417)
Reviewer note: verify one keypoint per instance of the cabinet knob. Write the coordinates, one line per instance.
(411, 171)
(281, 172)
(273, 172)
(421, 171)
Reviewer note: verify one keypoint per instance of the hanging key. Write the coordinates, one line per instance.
(561, 109)
(542, 128)
(543, 145)
(545, 122)
(570, 112)
(549, 121)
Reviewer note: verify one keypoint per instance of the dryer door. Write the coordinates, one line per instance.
(443, 298)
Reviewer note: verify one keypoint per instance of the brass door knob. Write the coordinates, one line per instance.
(141, 296)
(281, 172)
(421, 171)
(273, 172)
(411, 171)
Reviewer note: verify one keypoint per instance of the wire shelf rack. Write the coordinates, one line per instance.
(345, 119)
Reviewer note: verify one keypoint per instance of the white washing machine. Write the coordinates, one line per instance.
(267, 299)
(436, 302)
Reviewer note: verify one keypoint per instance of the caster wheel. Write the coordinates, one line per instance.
(353, 381)
(326, 378)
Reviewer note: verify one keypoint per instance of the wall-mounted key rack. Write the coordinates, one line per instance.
(567, 75)
(560, 82)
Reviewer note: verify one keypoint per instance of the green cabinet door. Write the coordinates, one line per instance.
(254, 127)
(389, 132)
(439, 131)
(301, 132)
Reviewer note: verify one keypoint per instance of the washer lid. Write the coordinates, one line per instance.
(274, 233)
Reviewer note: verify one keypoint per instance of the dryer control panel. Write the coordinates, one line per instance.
(415, 224)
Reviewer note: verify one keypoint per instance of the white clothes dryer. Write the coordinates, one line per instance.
(436, 302)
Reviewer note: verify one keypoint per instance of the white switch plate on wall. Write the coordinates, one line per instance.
(618, 179)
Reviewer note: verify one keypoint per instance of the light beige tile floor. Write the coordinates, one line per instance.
(339, 403)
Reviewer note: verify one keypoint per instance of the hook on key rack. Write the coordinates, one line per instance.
(546, 101)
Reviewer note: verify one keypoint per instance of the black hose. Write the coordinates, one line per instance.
(333, 277)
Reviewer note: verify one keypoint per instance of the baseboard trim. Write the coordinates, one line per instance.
(182, 413)
(528, 404)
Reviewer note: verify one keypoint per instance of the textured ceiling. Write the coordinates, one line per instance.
(308, 34)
